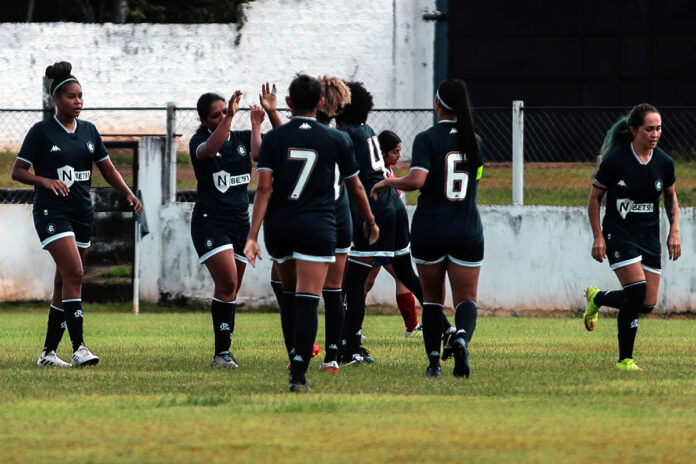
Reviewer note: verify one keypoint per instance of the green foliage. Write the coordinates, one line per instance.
(542, 390)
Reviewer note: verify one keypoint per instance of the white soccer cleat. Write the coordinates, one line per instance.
(224, 360)
(417, 330)
(331, 366)
(84, 357)
(51, 359)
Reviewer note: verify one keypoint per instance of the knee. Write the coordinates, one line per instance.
(635, 293)
(71, 276)
(646, 308)
(226, 291)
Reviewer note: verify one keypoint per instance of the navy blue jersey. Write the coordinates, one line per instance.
(367, 154)
(302, 155)
(56, 153)
(223, 179)
(633, 194)
(447, 200)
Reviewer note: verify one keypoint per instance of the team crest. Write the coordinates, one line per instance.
(90, 147)
(209, 243)
(221, 180)
(241, 149)
(51, 228)
(66, 174)
(616, 255)
(658, 185)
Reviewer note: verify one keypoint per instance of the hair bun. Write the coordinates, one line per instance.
(59, 70)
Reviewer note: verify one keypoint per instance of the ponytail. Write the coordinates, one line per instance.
(620, 133)
(454, 97)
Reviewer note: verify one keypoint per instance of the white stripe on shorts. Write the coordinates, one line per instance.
(628, 262)
(427, 263)
(213, 252)
(652, 269)
(459, 262)
(56, 237)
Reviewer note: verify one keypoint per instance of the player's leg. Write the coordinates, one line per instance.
(334, 312)
(372, 277)
(406, 303)
(288, 279)
(632, 278)
(223, 269)
(357, 270)
(433, 277)
(652, 281)
(463, 277)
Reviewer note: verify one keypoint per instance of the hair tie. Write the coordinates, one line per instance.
(68, 80)
(444, 105)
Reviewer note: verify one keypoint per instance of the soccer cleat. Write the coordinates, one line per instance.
(627, 364)
(331, 366)
(315, 350)
(84, 357)
(592, 310)
(447, 338)
(353, 360)
(50, 359)
(461, 356)
(417, 330)
(224, 359)
(434, 369)
(365, 355)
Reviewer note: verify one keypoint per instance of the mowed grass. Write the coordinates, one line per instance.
(541, 390)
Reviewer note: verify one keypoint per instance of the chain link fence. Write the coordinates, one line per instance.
(560, 146)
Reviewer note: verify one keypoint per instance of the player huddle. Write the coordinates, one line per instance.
(331, 213)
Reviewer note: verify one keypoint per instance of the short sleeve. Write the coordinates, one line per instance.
(100, 152)
(347, 164)
(265, 162)
(31, 146)
(602, 177)
(670, 178)
(420, 153)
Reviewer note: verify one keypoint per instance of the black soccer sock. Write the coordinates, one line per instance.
(334, 315)
(432, 337)
(645, 309)
(277, 290)
(627, 320)
(223, 313)
(609, 298)
(356, 276)
(404, 272)
(286, 301)
(72, 309)
(56, 328)
(306, 323)
(465, 315)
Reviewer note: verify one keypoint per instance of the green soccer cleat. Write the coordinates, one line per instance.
(592, 310)
(627, 364)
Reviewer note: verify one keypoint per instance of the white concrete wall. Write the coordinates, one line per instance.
(384, 43)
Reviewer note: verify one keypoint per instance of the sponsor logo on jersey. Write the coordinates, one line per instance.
(90, 147)
(658, 185)
(241, 149)
(625, 206)
(223, 180)
(209, 243)
(55, 148)
(621, 183)
(305, 126)
(51, 228)
(69, 176)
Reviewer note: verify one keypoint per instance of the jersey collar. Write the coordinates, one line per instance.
(447, 121)
(305, 118)
(65, 128)
(229, 134)
(638, 159)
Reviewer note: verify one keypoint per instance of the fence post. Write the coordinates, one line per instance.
(49, 108)
(170, 151)
(518, 152)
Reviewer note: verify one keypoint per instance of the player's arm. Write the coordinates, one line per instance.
(263, 194)
(113, 177)
(21, 173)
(672, 209)
(411, 181)
(599, 247)
(357, 195)
(269, 102)
(257, 117)
(210, 148)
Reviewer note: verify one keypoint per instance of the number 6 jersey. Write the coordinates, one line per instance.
(447, 201)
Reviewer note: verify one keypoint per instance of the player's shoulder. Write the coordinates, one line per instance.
(662, 156)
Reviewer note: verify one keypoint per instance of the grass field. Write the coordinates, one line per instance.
(542, 390)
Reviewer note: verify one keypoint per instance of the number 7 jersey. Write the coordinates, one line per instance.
(447, 200)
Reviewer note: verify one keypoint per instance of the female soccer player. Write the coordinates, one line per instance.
(392, 219)
(296, 202)
(390, 144)
(62, 150)
(633, 173)
(220, 223)
(447, 234)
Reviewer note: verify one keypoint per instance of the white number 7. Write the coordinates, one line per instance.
(309, 159)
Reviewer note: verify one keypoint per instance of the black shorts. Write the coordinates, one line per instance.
(428, 248)
(392, 219)
(53, 224)
(300, 238)
(621, 253)
(344, 226)
(212, 235)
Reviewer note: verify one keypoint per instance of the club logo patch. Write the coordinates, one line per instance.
(658, 185)
(241, 149)
(51, 228)
(616, 255)
(209, 243)
(90, 147)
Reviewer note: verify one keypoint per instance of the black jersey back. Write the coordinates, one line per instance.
(303, 154)
(447, 200)
(56, 153)
(633, 193)
(367, 154)
(223, 179)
